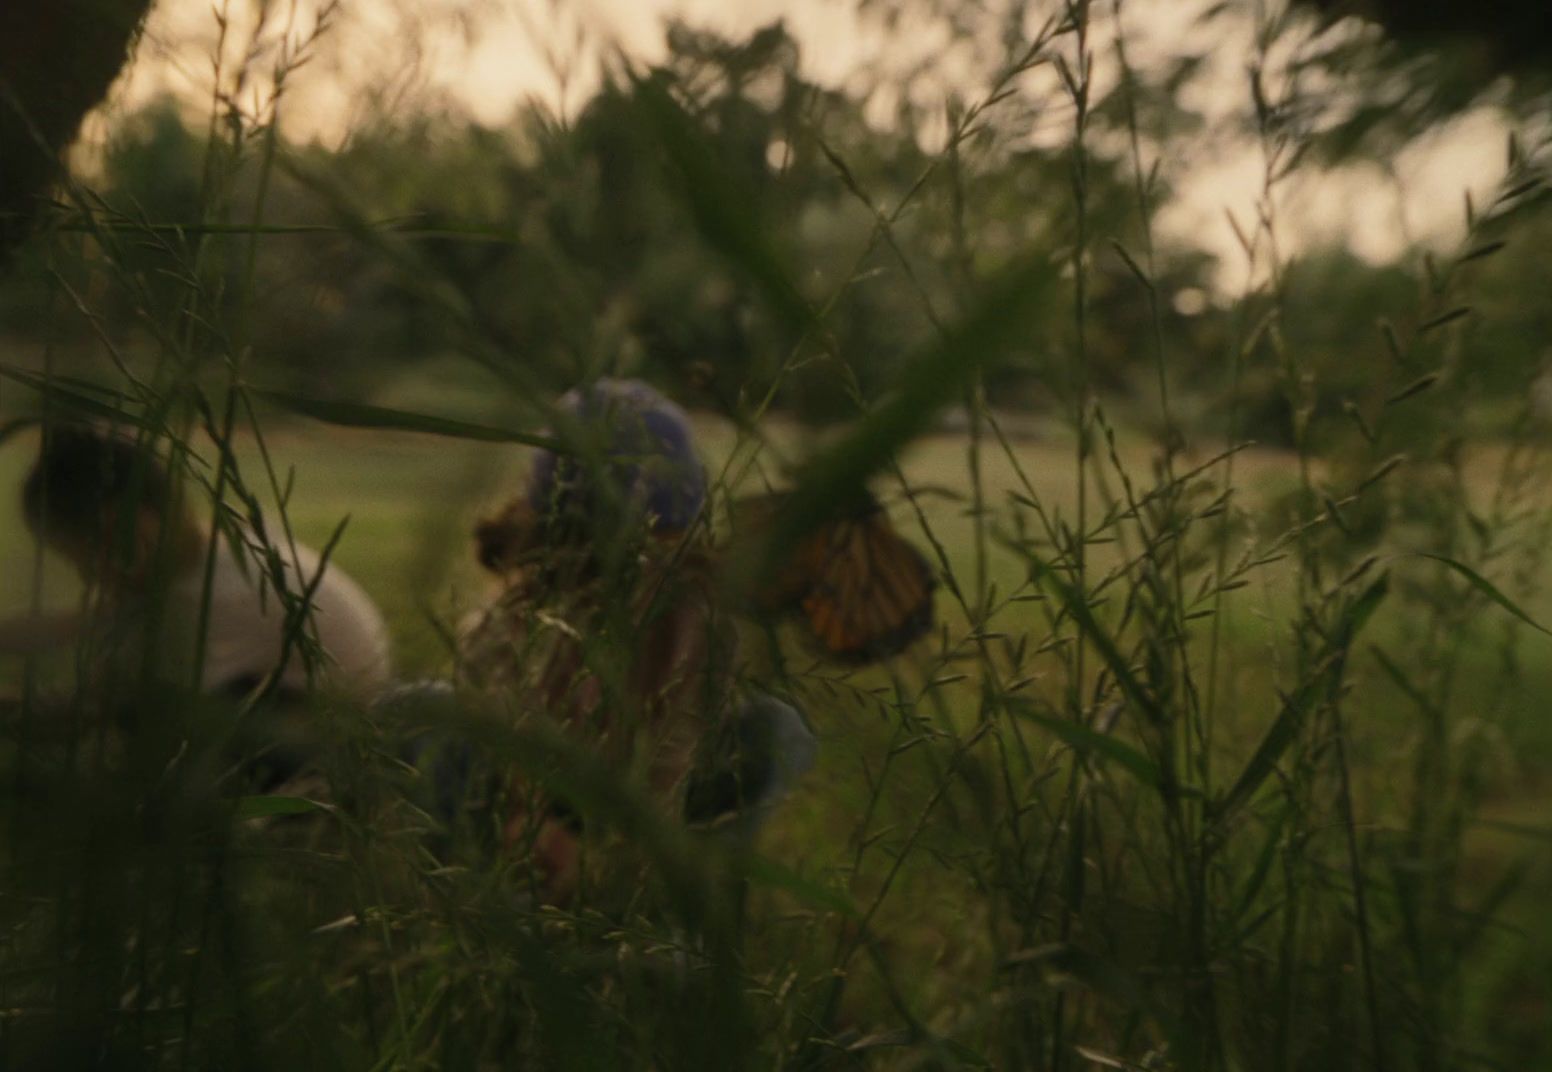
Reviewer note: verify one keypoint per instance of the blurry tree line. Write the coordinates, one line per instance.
(568, 242)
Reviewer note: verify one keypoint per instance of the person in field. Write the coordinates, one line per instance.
(109, 507)
(610, 622)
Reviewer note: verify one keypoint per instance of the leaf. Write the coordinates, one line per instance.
(1079, 609)
(1283, 731)
(1088, 740)
(1263, 864)
(1381, 471)
(1131, 263)
(1296, 708)
(1486, 250)
(359, 415)
(1486, 587)
(930, 381)
(1352, 411)
(1444, 318)
(1360, 610)
(265, 806)
(1516, 190)
(78, 396)
(1417, 386)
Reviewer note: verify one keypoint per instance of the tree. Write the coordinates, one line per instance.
(57, 59)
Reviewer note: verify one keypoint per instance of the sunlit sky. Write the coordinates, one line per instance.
(489, 56)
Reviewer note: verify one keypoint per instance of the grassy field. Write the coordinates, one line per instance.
(896, 816)
(1216, 760)
(410, 503)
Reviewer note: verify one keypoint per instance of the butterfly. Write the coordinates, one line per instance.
(863, 591)
(860, 589)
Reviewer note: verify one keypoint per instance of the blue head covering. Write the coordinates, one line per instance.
(649, 457)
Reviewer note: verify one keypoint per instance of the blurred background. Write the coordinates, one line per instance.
(423, 172)
(502, 142)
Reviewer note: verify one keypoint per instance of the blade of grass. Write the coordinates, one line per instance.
(1090, 741)
(1297, 708)
(931, 381)
(1081, 613)
(360, 415)
(1486, 588)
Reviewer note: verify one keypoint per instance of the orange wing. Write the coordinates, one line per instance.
(863, 591)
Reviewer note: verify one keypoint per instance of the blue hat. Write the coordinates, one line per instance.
(650, 456)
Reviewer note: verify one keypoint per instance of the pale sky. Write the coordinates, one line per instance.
(490, 55)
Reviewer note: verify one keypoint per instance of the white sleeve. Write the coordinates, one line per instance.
(244, 640)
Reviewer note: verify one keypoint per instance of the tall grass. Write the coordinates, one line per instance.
(1183, 780)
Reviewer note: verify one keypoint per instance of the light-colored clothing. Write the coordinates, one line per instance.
(247, 619)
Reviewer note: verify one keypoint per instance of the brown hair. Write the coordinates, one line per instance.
(83, 472)
(502, 541)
